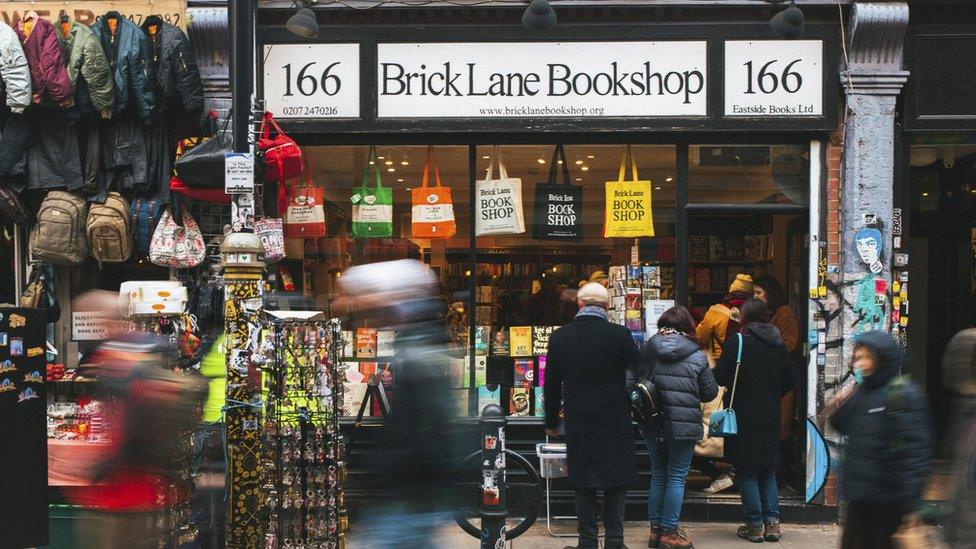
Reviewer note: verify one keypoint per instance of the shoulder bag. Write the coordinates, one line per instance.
(203, 165)
(723, 423)
(305, 210)
(177, 246)
(282, 156)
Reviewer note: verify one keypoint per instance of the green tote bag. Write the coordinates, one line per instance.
(372, 208)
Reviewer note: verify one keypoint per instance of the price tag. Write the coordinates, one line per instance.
(766, 78)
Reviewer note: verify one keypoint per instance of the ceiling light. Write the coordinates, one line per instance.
(381, 157)
(585, 168)
(303, 23)
(559, 161)
(788, 23)
(579, 162)
(399, 180)
(391, 170)
(371, 162)
(486, 157)
(404, 163)
(657, 188)
(389, 162)
(580, 179)
(590, 156)
(670, 179)
(540, 161)
(925, 194)
(539, 15)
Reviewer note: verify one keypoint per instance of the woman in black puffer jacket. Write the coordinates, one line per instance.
(680, 373)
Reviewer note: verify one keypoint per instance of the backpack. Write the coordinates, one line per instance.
(59, 234)
(645, 406)
(110, 230)
(11, 208)
(145, 215)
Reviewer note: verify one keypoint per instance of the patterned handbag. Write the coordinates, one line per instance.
(272, 236)
(176, 246)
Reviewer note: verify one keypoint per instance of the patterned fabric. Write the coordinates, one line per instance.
(593, 310)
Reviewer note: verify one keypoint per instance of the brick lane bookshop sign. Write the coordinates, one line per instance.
(762, 78)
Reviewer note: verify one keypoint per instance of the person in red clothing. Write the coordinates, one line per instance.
(145, 407)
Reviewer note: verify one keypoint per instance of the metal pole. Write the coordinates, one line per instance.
(241, 69)
(494, 493)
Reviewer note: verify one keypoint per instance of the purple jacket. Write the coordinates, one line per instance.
(49, 72)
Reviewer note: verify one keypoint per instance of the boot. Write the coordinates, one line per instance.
(675, 539)
(751, 533)
(655, 540)
(772, 531)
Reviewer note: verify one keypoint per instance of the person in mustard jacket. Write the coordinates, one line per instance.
(713, 330)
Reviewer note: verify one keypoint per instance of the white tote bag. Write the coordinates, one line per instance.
(499, 201)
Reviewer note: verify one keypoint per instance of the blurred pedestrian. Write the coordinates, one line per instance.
(680, 373)
(758, 378)
(421, 453)
(889, 444)
(959, 377)
(587, 369)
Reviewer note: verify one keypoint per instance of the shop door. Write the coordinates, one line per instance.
(942, 271)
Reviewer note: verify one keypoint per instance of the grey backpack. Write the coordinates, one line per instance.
(59, 234)
(109, 229)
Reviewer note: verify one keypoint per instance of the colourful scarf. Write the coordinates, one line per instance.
(592, 310)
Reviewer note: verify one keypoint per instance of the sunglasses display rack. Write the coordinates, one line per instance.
(303, 453)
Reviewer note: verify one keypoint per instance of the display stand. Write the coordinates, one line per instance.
(302, 446)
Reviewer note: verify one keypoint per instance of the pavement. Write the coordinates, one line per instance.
(704, 536)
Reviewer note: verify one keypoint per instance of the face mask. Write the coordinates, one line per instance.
(858, 375)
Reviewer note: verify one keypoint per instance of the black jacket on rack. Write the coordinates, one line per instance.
(179, 92)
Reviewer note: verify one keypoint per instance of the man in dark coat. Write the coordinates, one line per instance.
(587, 368)
(889, 444)
(765, 374)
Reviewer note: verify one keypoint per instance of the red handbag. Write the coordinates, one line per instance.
(282, 157)
(211, 195)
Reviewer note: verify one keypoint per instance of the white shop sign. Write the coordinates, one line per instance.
(542, 79)
(765, 78)
(312, 80)
(88, 326)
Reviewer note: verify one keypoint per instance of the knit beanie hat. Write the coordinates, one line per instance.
(742, 283)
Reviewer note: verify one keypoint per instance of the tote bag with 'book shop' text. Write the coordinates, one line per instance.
(558, 207)
(628, 204)
(498, 205)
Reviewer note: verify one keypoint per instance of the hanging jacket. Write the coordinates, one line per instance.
(49, 73)
(15, 76)
(177, 78)
(890, 439)
(88, 69)
(684, 381)
(130, 58)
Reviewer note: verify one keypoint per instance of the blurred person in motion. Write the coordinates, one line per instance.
(149, 409)
(757, 378)
(680, 373)
(589, 358)
(959, 377)
(422, 454)
(889, 431)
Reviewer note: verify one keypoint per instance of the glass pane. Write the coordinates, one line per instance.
(748, 174)
(340, 171)
(527, 282)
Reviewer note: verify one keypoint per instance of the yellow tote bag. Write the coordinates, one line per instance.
(629, 212)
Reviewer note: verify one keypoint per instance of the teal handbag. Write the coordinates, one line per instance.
(722, 423)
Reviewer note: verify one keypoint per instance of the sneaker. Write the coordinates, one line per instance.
(750, 533)
(675, 539)
(772, 531)
(723, 482)
(655, 540)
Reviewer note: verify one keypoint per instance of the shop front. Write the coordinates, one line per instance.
(662, 151)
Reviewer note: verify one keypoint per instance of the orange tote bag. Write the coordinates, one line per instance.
(433, 211)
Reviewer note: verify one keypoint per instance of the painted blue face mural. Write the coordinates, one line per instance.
(869, 246)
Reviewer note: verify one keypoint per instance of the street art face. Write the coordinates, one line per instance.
(867, 243)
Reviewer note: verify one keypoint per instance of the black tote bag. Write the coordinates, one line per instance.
(203, 165)
(558, 207)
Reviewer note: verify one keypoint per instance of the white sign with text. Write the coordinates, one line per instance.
(88, 326)
(311, 80)
(238, 173)
(766, 78)
(542, 79)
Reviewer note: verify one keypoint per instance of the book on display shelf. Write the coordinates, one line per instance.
(540, 339)
(539, 406)
(501, 343)
(366, 342)
(520, 402)
(524, 373)
(348, 344)
(488, 396)
(698, 250)
(540, 377)
(480, 370)
(735, 248)
(520, 341)
(716, 248)
(719, 276)
(385, 343)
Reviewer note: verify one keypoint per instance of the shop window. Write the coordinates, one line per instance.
(527, 281)
(749, 174)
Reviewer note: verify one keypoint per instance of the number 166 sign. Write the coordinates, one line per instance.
(773, 78)
(311, 80)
